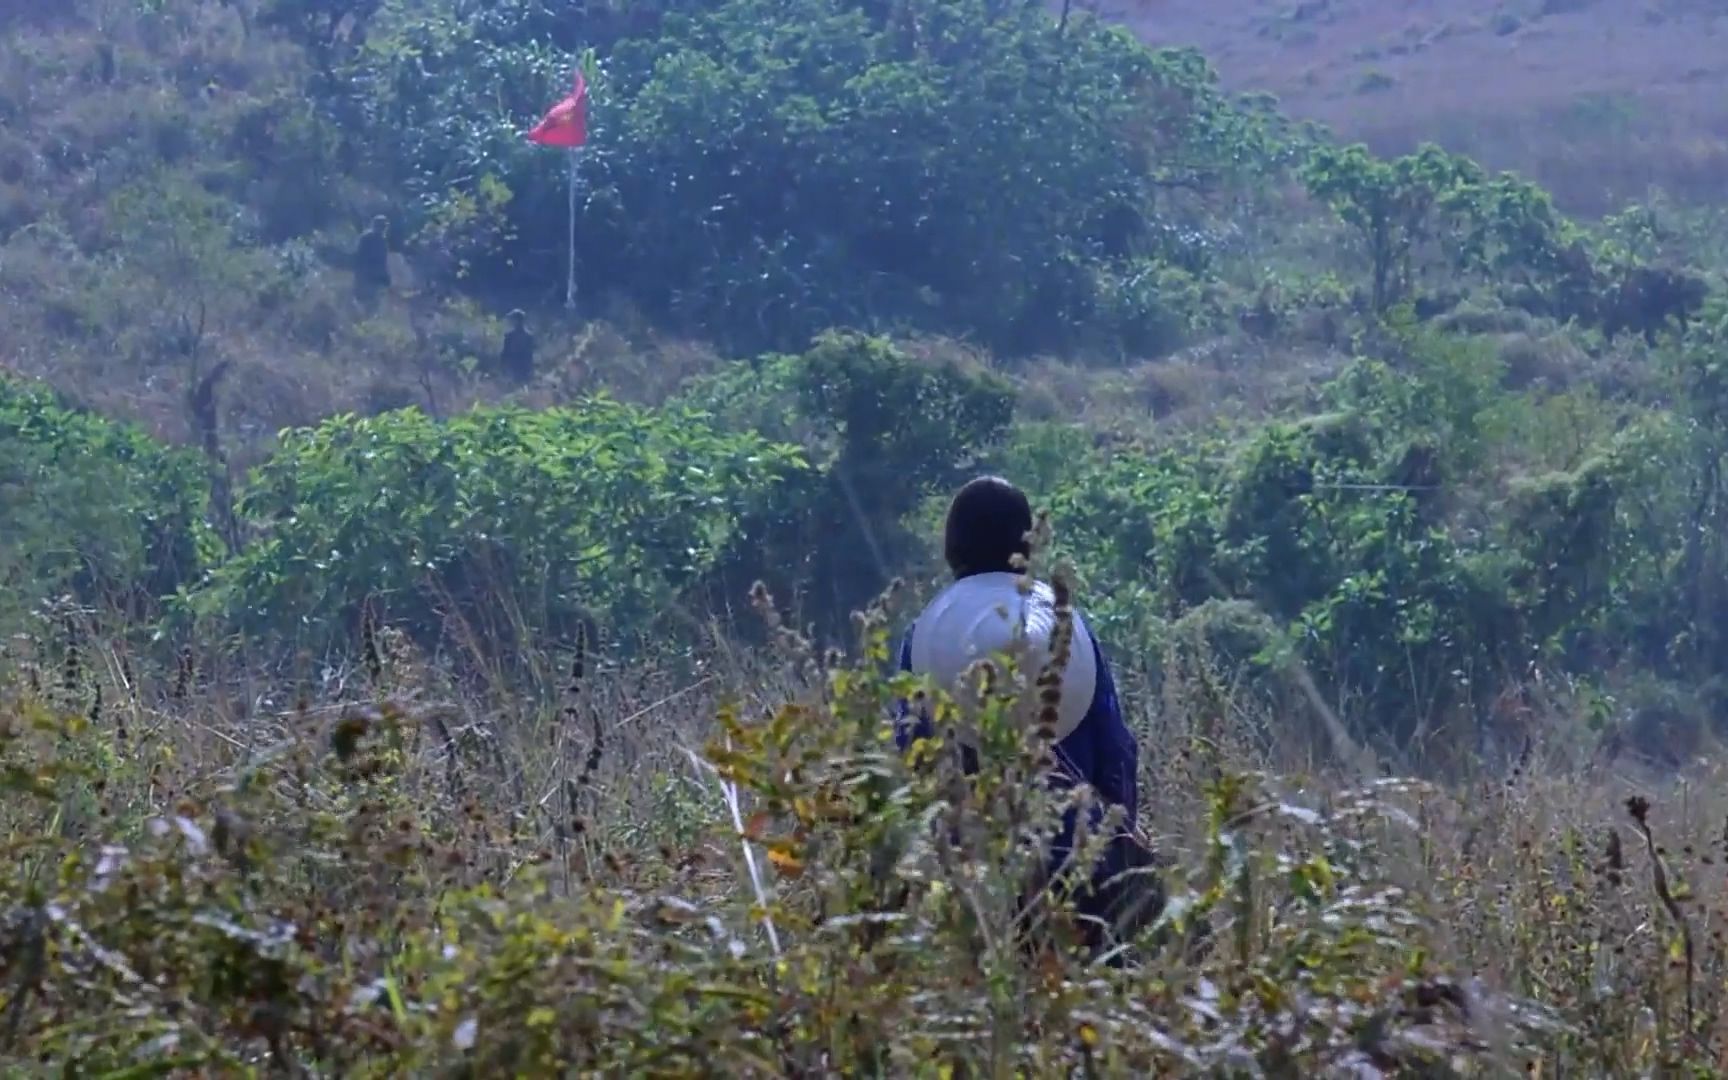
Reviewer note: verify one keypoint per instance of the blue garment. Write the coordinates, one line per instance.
(1101, 752)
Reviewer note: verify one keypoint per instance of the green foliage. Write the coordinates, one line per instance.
(1336, 526)
(1426, 542)
(1682, 527)
(514, 523)
(1391, 205)
(1141, 526)
(1439, 208)
(1415, 545)
(1510, 227)
(1041, 455)
(173, 275)
(896, 417)
(764, 172)
(93, 510)
(888, 429)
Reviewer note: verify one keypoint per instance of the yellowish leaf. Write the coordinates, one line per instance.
(785, 862)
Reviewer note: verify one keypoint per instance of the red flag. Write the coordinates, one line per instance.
(566, 123)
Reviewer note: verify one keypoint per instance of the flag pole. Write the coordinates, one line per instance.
(570, 280)
(566, 125)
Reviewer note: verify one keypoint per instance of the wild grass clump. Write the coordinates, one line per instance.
(378, 884)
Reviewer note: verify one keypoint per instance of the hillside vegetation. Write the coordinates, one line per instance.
(1597, 100)
(369, 707)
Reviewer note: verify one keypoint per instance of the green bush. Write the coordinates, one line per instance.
(93, 510)
(886, 430)
(1336, 525)
(503, 523)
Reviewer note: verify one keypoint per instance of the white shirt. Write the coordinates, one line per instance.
(985, 615)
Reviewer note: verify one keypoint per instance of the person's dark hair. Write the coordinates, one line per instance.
(988, 523)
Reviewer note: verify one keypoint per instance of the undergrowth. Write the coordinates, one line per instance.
(397, 879)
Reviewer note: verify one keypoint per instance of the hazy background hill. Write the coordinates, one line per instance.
(1596, 99)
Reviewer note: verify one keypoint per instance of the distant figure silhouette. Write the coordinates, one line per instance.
(517, 357)
(372, 261)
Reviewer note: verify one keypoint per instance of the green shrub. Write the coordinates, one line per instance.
(502, 522)
(93, 509)
(1335, 526)
(887, 429)
(1153, 310)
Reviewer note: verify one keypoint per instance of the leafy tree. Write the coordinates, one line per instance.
(1509, 227)
(1391, 205)
(1697, 553)
(763, 171)
(885, 430)
(1502, 228)
(1648, 300)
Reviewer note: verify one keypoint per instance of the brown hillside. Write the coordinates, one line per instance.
(1600, 99)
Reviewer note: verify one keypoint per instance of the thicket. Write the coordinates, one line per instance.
(886, 430)
(502, 526)
(1422, 546)
(1376, 549)
(764, 171)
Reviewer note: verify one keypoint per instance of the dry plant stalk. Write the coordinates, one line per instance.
(1639, 808)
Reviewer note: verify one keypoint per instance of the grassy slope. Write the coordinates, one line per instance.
(179, 88)
(1597, 99)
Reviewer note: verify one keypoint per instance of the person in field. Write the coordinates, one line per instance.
(516, 358)
(372, 262)
(987, 531)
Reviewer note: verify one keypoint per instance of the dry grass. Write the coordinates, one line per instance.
(324, 355)
(1597, 101)
(1229, 377)
(1440, 906)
